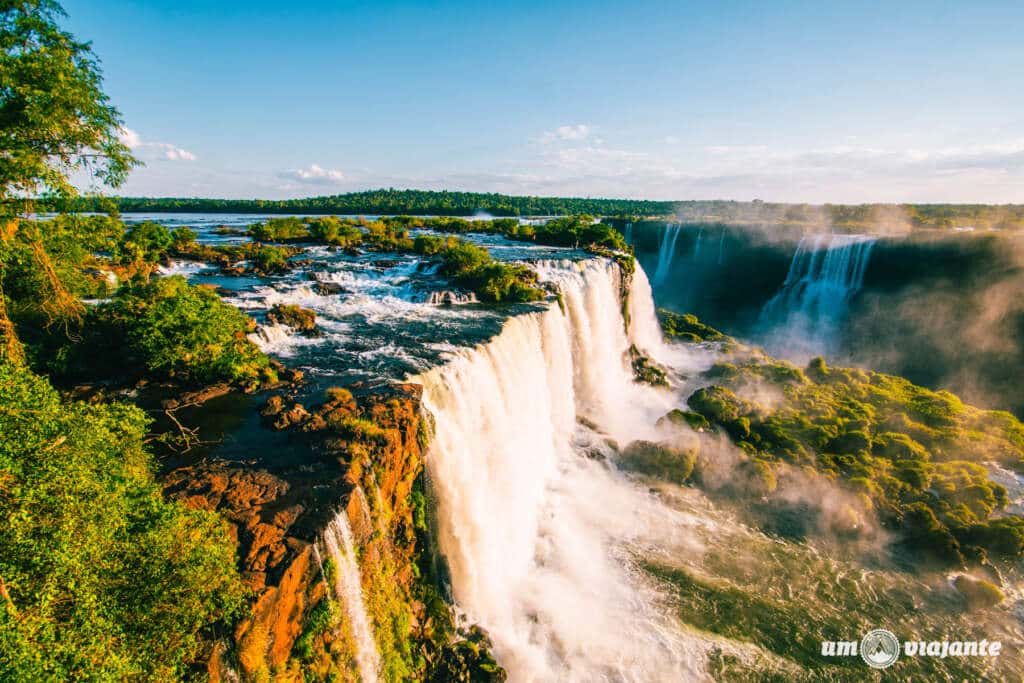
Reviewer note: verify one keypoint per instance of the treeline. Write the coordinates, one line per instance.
(855, 217)
(393, 202)
(390, 202)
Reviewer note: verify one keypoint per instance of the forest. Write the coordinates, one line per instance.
(839, 217)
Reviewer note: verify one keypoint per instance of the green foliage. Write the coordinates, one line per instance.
(107, 581)
(54, 118)
(279, 230)
(183, 235)
(398, 202)
(428, 245)
(170, 329)
(270, 260)
(915, 453)
(686, 327)
(321, 618)
(150, 241)
(467, 660)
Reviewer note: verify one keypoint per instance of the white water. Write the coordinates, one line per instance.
(827, 270)
(540, 539)
(666, 252)
(348, 589)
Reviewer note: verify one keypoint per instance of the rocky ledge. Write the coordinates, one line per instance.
(363, 456)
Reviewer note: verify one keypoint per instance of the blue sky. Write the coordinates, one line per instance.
(783, 101)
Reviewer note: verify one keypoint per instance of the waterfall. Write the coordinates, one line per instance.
(541, 539)
(721, 246)
(666, 251)
(827, 270)
(270, 336)
(696, 246)
(627, 233)
(348, 589)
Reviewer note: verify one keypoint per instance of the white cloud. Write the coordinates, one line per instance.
(580, 131)
(154, 150)
(314, 175)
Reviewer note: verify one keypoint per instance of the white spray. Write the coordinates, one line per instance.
(541, 540)
(349, 591)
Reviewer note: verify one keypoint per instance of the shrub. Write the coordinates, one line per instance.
(176, 330)
(183, 236)
(279, 230)
(270, 260)
(152, 240)
(428, 245)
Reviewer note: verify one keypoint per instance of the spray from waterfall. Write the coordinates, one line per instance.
(666, 252)
(348, 590)
(827, 270)
(541, 537)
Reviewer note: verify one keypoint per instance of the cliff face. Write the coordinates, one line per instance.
(366, 452)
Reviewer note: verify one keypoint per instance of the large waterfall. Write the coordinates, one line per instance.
(827, 270)
(348, 590)
(541, 534)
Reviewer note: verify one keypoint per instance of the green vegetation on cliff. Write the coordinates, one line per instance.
(100, 578)
(912, 455)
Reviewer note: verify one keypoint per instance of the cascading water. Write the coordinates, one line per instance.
(541, 539)
(348, 589)
(666, 252)
(827, 270)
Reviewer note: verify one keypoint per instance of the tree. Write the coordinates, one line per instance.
(55, 119)
(55, 122)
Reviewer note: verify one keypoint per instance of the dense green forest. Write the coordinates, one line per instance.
(422, 202)
(394, 202)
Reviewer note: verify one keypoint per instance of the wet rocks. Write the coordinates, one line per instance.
(450, 297)
(302, 320)
(329, 288)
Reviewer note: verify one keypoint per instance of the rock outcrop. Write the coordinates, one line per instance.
(364, 456)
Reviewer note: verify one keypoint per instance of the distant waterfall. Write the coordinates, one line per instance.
(666, 251)
(696, 246)
(539, 535)
(348, 589)
(826, 272)
(627, 233)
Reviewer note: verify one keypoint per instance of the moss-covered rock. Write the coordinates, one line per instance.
(686, 327)
(978, 593)
(646, 370)
(694, 421)
(302, 320)
(661, 460)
